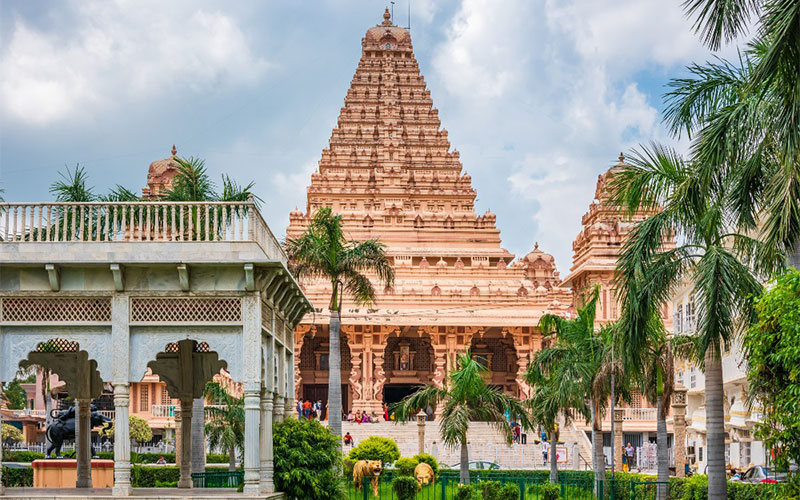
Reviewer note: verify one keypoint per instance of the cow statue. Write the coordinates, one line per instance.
(63, 428)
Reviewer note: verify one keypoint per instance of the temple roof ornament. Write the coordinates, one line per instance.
(159, 176)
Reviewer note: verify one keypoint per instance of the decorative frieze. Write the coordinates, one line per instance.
(185, 310)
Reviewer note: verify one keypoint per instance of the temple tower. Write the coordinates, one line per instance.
(390, 171)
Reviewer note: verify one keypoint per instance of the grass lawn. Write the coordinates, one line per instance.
(434, 492)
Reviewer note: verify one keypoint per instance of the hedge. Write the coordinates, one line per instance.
(23, 456)
(145, 476)
(13, 477)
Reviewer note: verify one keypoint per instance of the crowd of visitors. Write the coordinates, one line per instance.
(311, 411)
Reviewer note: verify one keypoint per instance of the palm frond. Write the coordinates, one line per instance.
(72, 186)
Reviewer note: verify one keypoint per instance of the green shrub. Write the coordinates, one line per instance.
(405, 466)
(16, 478)
(306, 455)
(405, 487)
(21, 456)
(428, 459)
(489, 489)
(508, 492)
(467, 492)
(549, 491)
(376, 448)
(166, 484)
(347, 468)
(147, 476)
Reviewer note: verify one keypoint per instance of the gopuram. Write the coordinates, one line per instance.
(389, 170)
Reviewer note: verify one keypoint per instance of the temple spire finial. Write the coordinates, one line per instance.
(621, 158)
(174, 151)
(387, 18)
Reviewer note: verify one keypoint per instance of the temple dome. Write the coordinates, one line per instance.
(159, 176)
(387, 33)
(537, 254)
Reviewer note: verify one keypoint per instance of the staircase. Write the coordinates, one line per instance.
(485, 444)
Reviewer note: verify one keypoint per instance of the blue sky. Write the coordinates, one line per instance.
(539, 96)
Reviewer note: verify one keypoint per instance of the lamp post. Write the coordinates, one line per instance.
(421, 417)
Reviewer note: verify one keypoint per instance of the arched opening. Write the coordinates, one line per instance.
(408, 363)
(496, 352)
(315, 368)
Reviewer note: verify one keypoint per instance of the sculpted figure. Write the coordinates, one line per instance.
(367, 468)
(423, 473)
(63, 428)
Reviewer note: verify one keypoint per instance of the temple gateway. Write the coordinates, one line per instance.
(391, 173)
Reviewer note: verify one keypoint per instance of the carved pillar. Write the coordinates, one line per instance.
(83, 443)
(522, 368)
(288, 400)
(122, 442)
(198, 436)
(421, 416)
(618, 415)
(439, 372)
(252, 458)
(185, 451)
(376, 402)
(355, 379)
(266, 484)
(278, 408)
(679, 429)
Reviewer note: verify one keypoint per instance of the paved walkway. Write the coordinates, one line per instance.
(138, 494)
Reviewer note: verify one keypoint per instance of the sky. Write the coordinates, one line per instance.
(539, 96)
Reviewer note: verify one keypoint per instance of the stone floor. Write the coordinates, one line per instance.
(138, 494)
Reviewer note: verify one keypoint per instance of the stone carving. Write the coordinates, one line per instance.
(355, 375)
(379, 376)
(63, 428)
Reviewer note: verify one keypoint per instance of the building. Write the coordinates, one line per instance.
(390, 171)
(741, 448)
(595, 251)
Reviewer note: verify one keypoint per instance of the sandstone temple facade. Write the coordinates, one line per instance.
(390, 171)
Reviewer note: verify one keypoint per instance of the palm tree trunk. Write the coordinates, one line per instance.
(598, 460)
(662, 450)
(232, 459)
(335, 378)
(464, 466)
(553, 459)
(715, 427)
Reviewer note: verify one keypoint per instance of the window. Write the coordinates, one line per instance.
(323, 362)
(165, 399)
(144, 403)
(679, 319)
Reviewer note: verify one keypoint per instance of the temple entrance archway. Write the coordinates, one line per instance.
(394, 393)
(315, 368)
(408, 359)
(495, 350)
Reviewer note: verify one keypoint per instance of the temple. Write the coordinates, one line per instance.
(390, 171)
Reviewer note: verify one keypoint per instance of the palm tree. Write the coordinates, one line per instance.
(465, 397)
(225, 424)
(710, 254)
(657, 384)
(324, 252)
(574, 374)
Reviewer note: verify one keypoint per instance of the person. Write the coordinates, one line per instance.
(516, 434)
(161, 461)
(507, 415)
(299, 408)
(358, 417)
(307, 409)
(624, 461)
(348, 439)
(350, 416)
(385, 412)
(545, 447)
(524, 438)
(629, 451)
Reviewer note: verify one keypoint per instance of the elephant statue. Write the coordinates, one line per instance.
(63, 428)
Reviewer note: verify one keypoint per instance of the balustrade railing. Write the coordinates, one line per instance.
(137, 221)
(162, 411)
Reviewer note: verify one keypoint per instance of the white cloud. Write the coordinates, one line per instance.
(556, 79)
(121, 51)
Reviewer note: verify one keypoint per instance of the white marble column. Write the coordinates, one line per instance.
(266, 472)
(2, 486)
(83, 443)
(288, 398)
(198, 436)
(185, 480)
(277, 414)
(122, 442)
(252, 415)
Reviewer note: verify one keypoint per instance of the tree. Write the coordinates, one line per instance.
(324, 252)
(745, 117)
(574, 375)
(306, 456)
(657, 384)
(225, 423)
(711, 255)
(15, 396)
(376, 448)
(772, 350)
(11, 433)
(465, 397)
(138, 428)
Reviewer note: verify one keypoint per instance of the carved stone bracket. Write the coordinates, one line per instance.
(355, 374)
(380, 375)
